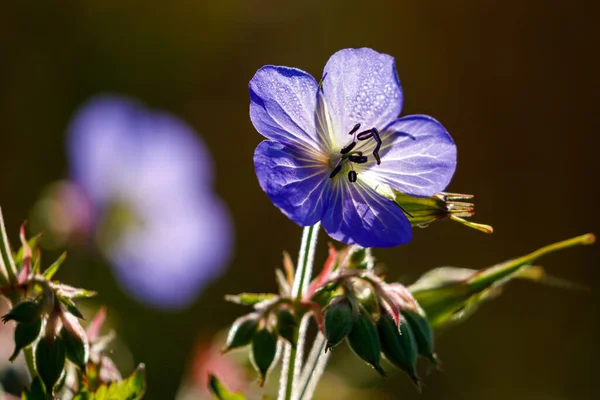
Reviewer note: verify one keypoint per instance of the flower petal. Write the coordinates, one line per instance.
(356, 214)
(361, 86)
(282, 105)
(418, 156)
(295, 183)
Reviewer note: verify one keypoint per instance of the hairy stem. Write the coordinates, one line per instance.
(28, 353)
(292, 361)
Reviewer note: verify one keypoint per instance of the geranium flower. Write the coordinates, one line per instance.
(336, 149)
(147, 179)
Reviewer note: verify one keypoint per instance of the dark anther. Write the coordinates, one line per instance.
(336, 171)
(378, 140)
(348, 148)
(352, 175)
(358, 159)
(365, 135)
(356, 127)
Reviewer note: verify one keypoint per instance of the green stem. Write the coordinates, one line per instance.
(7, 259)
(315, 367)
(28, 353)
(294, 355)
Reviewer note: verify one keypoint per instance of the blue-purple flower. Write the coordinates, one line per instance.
(337, 149)
(147, 178)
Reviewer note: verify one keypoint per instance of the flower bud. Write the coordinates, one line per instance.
(264, 351)
(50, 361)
(25, 334)
(360, 258)
(24, 312)
(339, 319)
(423, 334)
(242, 331)
(286, 326)
(398, 344)
(364, 340)
(75, 340)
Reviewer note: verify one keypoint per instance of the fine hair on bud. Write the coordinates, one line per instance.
(242, 331)
(339, 320)
(24, 312)
(398, 345)
(423, 334)
(24, 335)
(287, 326)
(50, 361)
(364, 340)
(264, 352)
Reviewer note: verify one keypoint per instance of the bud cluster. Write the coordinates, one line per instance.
(47, 324)
(349, 302)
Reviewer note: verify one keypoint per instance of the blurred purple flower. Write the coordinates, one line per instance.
(337, 149)
(148, 179)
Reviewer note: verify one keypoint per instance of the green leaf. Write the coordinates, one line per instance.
(131, 388)
(220, 392)
(449, 295)
(49, 273)
(249, 299)
(71, 307)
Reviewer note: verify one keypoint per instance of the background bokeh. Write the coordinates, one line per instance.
(515, 83)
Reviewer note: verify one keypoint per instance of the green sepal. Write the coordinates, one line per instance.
(398, 345)
(241, 332)
(364, 340)
(71, 307)
(51, 270)
(339, 319)
(131, 388)
(423, 334)
(287, 326)
(24, 335)
(24, 312)
(76, 347)
(264, 351)
(249, 299)
(36, 390)
(32, 243)
(220, 391)
(360, 258)
(50, 361)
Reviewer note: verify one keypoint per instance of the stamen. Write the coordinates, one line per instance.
(366, 135)
(348, 148)
(356, 127)
(378, 140)
(352, 175)
(336, 170)
(358, 159)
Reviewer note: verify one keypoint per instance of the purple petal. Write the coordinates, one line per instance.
(418, 156)
(115, 145)
(178, 252)
(361, 86)
(356, 214)
(283, 105)
(294, 182)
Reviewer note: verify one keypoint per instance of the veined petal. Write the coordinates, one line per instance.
(356, 214)
(361, 86)
(282, 105)
(418, 156)
(298, 185)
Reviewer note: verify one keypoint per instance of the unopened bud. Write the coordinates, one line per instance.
(287, 326)
(339, 319)
(242, 331)
(75, 340)
(423, 334)
(360, 258)
(50, 361)
(24, 312)
(264, 351)
(398, 344)
(364, 340)
(25, 334)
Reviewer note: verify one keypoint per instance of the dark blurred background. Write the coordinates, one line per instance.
(514, 82)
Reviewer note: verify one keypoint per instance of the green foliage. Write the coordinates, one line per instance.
(50, 361)
(220, 391)
(364, 340)
(24, 335)
(249, 299)
(264, 351)
(131, 388)
(51, 270)
(36, 391)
